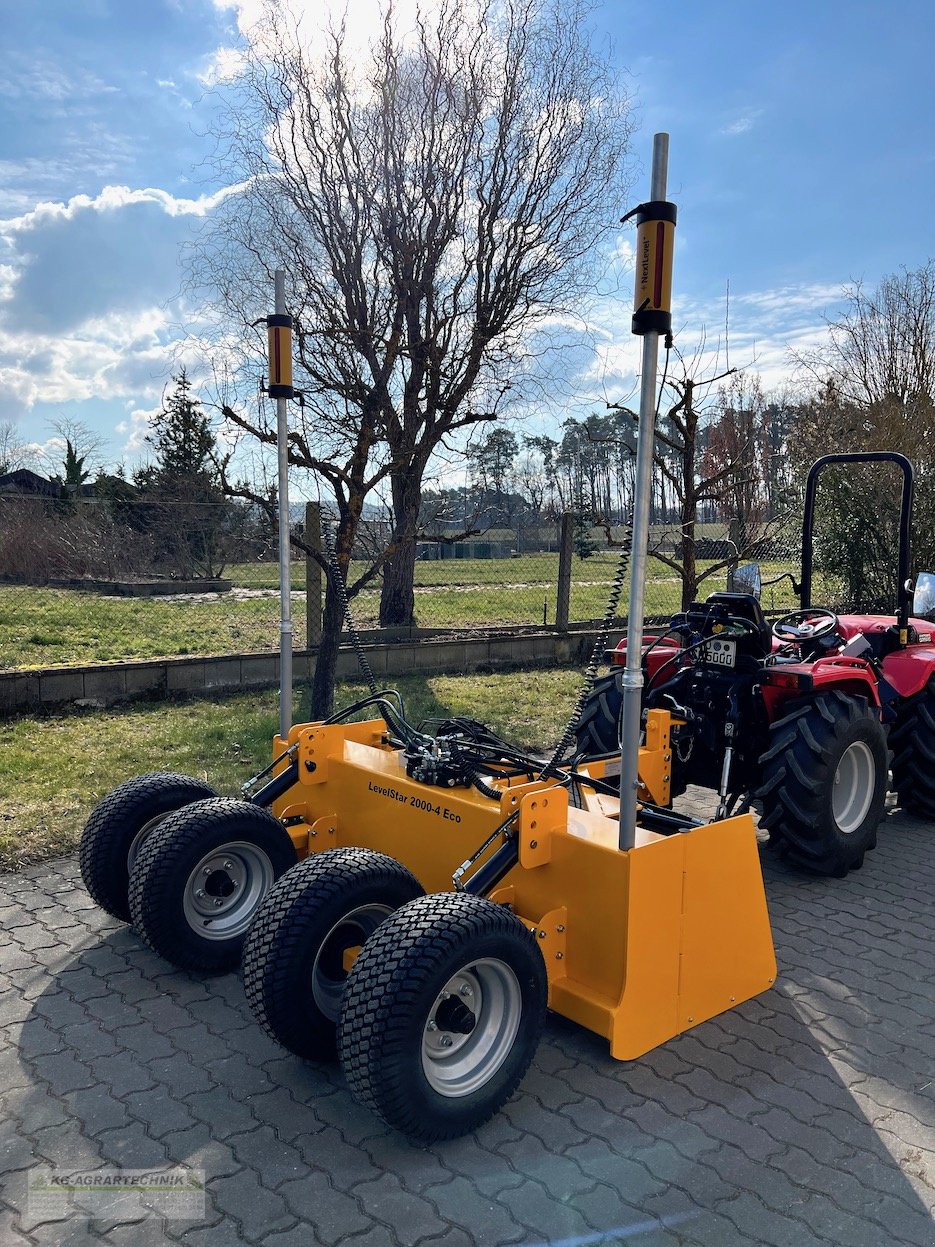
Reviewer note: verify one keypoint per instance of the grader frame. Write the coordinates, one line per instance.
(638, 945)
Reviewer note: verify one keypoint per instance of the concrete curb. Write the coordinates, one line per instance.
(105, 684)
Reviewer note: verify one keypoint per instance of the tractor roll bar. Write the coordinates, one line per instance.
(903, 596)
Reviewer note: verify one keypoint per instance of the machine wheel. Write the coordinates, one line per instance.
(913, 741)
(200, 878)
(597, 731)
(442, 1015)
(119, 824)
(824, 783)
(293, 964)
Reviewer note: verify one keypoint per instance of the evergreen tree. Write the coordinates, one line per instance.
(584, 543)
(183, 485)
(184, 444)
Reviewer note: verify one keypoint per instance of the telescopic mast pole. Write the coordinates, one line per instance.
(279, 328)
(651, 316)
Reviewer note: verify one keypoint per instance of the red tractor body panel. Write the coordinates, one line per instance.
(907, 670)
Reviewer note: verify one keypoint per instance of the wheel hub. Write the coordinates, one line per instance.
(328, 972)
(225, 889)
(471, 1027)
(453, 1016)
(852, 790)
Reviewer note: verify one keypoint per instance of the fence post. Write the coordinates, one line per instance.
(312, 575)
(565, 551)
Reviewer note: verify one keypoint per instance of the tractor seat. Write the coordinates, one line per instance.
(746, 606)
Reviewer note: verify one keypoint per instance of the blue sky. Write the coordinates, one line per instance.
(801, 158)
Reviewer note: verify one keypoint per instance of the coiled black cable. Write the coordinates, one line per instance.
(590, 672)
(337, 578)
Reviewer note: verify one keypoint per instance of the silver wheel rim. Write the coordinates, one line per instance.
(223, 891)
(456, 1063)
(136, 843)
(328, 973)
(852, 790)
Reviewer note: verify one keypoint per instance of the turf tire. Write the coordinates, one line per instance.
(799, 770)
(112, 835)
(392, 994)
(187, 844)
(913, 743)
(292, 964)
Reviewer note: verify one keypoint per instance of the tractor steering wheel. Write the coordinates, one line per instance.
(805, 625)
(737, 623)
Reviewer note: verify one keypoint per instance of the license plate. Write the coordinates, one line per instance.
(719, 653)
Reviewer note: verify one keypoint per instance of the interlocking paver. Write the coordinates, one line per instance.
(256, 1209)
(457, 1201)
(411, 1217)
(333, 1214)
(804, 1117)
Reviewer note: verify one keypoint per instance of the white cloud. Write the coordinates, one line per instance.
(744, 123)
(41, 78)
(767, 329)
(222, 65)
(135, 430)
(112, 198)
(361, 20)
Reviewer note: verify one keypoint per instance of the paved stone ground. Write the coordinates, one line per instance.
(806, 1116)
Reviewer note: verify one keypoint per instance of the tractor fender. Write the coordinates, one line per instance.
(653, 658)
(794, 681)
(909, 670)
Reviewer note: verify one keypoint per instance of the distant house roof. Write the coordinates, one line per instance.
(23, 481)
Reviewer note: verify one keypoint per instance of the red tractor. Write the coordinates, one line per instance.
(804, 714)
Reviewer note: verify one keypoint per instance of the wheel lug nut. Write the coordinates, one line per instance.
(466, 991)
(446, 995)
(218, 902)
(445, 1041)
(432, 1026)
(206, 871)
(200, 894)
(228, 865)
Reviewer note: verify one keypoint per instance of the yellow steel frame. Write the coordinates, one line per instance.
(639, 945)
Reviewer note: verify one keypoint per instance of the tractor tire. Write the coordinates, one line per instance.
(200, 878)
(442, 1014)
(824, 783)
(119, 824)
(293, 962)
(913, 743)
(598, 728)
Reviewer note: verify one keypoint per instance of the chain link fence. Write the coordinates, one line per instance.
(82, 582)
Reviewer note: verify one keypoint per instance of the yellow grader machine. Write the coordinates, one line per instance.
(447, 891)
(413, 899)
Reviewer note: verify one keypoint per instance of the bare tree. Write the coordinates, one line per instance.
(874, 386)
(13, 454)
(434, 201)
(737, 441)
(733, 477)
(75, 452)
(341, 454)
(882, 349)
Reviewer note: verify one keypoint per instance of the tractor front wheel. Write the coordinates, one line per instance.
(114, 834)
(442, 1015)
(200, 878)
(913, 741)
(598, 729)
(308, 928)
(824, 783)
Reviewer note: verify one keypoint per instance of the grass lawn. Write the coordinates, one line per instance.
(54, 627)
(54, 769)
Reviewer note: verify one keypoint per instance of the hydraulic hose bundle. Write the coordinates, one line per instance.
(460, 749)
